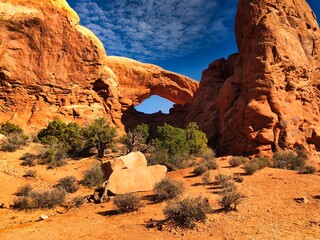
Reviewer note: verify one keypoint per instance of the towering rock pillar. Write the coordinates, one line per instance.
(267, 96)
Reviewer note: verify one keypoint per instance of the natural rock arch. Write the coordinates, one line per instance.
(53, 68)
(139, 81)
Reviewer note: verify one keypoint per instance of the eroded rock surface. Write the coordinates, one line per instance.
(51, 67)
(267, 96)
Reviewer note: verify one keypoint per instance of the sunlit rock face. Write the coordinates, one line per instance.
(262, 99)
(267, 96)
(53, 68)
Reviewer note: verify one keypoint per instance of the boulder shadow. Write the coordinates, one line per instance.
(109, 213)
(197, 184)
(214, 188)
(227, 167)
(150, 198)
(191, 175)
(224, 210)
(316, 197)
(241, 174)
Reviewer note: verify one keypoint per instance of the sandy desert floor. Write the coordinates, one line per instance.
(268, 209)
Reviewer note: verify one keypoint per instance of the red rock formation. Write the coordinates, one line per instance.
(51, 67)
(266, 97)
(139, 81)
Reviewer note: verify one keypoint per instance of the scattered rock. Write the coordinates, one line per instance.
(301, 200)
(43, 217)
(5, 205)
(3, 138)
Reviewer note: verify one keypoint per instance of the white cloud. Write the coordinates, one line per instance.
(150, 30)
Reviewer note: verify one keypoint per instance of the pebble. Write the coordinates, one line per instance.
(43, 217)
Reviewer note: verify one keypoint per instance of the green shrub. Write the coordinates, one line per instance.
(69, 184)
(24, 190)
(167, 189)
(14, 141)
(7, 128)
(173, 140)
(263, 162)
(77, 201)
(48, 199)
(206, 179)
(45, 199)
(54, 155)
(237, 178)
(308, 169)
(136, 139)
(196, 139)
(210, 163)
(207, 163)
(228, 198)
(207, 154)
(251, 167)
(68, 135)
(128, 202)
(30, 173)
(22, 203)
(289, 160)
(200, 169)
(186, 212)
(159, 157)
(93, 177)
(208, 158)
(256, 164)
(236, 161)
(28, 159)
(228, 186)
(221, 179)
(99, 135)
(173, 146)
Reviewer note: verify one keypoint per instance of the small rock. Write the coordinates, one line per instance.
(5, 205)
(301, 200)
(43, 217)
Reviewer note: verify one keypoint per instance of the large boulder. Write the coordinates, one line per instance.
(134, 159)
(110, 165)
(266, 97)
(136, 179)
(131, 160)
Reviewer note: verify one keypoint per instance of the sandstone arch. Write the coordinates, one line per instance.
(139, 81)
(51, 67)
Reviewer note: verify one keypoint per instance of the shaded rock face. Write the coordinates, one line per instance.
(51, 67)
(266, 97)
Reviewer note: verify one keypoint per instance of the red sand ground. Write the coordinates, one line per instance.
(268, 210)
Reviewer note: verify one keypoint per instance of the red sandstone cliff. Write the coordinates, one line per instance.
(267, 96)
(264, 98)
(51, 67)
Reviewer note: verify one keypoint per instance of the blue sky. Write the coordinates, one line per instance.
(183, 36)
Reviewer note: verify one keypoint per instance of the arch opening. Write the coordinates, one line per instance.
(155, 104)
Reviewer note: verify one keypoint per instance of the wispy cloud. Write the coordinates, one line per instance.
(149, 30)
